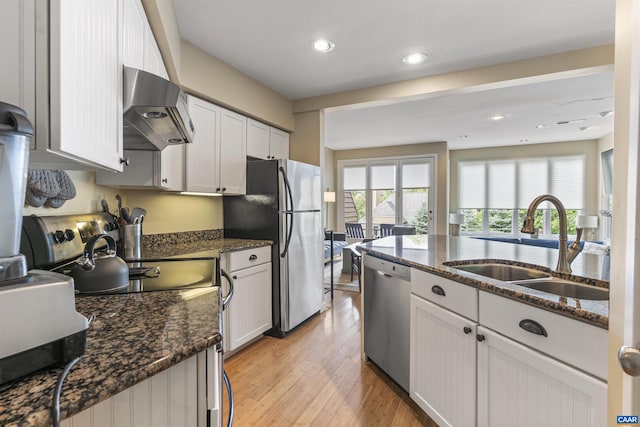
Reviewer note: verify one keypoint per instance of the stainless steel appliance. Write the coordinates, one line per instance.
(155, 112)
(282, 204)
(387, 298)
(30, 339)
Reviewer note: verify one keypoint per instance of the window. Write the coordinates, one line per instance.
(381, 193)
(494, 195)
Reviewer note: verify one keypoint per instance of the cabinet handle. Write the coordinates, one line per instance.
(253, 257)
(533, 327)
(125, 161)
(235, 277)
(480, 337)
(165, 180)
(224, 189)
(218, 189)
(467, 330)
(438, 290)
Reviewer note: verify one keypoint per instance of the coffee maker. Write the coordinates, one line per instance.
(39, 325)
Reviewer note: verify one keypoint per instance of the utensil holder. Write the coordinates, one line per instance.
(131, 241)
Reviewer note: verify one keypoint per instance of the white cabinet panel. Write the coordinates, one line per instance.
(454, 296)
(279, 144)
(443, 364)
(257, 139)
(233, 152)
(519, 386)
(201, 169)
(134, 29)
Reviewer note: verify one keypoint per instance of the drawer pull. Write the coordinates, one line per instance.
(438, 290)
(467, 330)
(253, 257)
(480, 337)
(533, 327)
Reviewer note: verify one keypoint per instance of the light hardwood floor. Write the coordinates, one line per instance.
(315, 377)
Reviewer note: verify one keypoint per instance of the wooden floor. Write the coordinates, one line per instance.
(315, 377)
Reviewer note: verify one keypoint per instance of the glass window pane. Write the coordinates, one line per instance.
(500, 220)
(472, 220)
(415, 209)
(416, 175)
(355, 178)
(383, 176)
(354, 206)
(532, 180)
(471, 185)
(383, 209)
(502, 185)
(571, 222)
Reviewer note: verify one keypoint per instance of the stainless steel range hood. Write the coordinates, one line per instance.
(155, 112)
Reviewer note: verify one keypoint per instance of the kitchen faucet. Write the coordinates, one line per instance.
(566, 255)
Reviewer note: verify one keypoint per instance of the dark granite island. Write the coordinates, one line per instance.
(429, 253)
(133, 337)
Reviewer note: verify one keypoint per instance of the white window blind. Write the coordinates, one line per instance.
(355, 178)
(471, 184)
(533, 180)
(383, 177)
(567, 181)
(502, 185)
(416, 175)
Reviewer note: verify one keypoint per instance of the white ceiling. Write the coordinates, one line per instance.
(270, 40)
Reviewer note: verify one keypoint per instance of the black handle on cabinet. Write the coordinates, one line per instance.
(480, 337)
(438, 290)
(165, 180)
(217, 189)
(533, 327)
(467, 330)
(253, 257)
(235, 277)
(224, 188)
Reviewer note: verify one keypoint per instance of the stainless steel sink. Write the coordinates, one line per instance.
(504, 272)
(567, 289)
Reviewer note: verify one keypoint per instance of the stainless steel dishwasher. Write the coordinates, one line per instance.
(387, 298)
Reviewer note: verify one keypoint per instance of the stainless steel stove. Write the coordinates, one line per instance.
(54, 242)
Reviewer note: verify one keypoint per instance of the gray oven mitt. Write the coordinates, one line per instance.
(67, 190)
(41, 185)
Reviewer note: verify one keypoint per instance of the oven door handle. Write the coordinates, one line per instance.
(227, 299)
(230, 398)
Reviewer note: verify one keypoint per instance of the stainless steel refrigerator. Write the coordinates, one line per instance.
(282, 204)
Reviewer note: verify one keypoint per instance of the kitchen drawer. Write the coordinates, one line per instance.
(248, 258)
(457, 297)
(576, 343)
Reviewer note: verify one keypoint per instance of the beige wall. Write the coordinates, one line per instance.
(438, 148)
(589, 148)
(307, 140)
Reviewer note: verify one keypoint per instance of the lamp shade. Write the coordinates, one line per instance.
(456, 218)
(329, 196)
(586, 221)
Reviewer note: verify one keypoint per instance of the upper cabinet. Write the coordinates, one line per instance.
(140, 49)
(66, 71)
(266, 142)
(216, 160)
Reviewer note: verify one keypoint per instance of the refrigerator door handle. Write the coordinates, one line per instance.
(288, 187)
(289, 234)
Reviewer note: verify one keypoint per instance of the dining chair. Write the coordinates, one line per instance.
(354, 230)
(386, 229)
(403, 229)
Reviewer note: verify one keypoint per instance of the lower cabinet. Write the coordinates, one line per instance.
(520, 386)
(182, 396)
(443, 364)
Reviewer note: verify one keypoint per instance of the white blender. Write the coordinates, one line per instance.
(39, 325)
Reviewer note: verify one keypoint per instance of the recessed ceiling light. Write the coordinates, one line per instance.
(574, 121)
(323, 45)
(415, 58)
(497, 117)
(524, 140)
(463, 136)
(540, 126)
(606, 114)
(583, 128)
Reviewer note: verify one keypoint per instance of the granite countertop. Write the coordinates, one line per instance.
(133, 337)
(211, 247)
(429, 252)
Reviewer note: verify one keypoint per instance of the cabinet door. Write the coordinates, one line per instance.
(201, 165)
(17, 44)
(134, 25)
(153, 61)
(233, 152)
(279, 144)
(172, 167)
(258, 139)
(86, 81)
(249, 312)
(443, 364)
(520, 386)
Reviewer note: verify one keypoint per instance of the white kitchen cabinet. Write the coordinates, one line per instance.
(520, 386)
(248, 315)
(169, 398)
(443, 364)
(266, 142)
(216, 160)
(149, 169)
(140, 49)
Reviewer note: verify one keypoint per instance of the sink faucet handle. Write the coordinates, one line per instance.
(578, 234)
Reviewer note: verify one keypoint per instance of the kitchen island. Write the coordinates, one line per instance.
(430, 253)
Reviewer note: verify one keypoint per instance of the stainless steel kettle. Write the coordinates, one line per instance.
(97, 273)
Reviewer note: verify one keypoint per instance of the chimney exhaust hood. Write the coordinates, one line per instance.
(155, 112)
